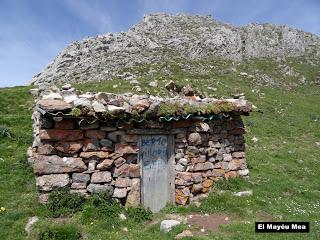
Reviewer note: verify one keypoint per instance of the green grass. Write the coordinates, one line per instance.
(284, 163)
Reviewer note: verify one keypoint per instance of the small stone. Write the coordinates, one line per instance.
(197, 188)
(227, 157)
(122, 217)
(194, 139)
(122, 171)
(134, 170)
(192, 151)
(197, 177)
(43, 198)
(98, 107)
(243, 193)
(181, 200)
(183, 161)
(167, 225)
(202, 127)
(211, 151)
(92, 165)
(153, 83)
(179, 156)
(119, 193)
(114, 109)
(101, 177)
(180, 168)
(183, 178)
(66, 86)
(82, 103)
(52, 96)
(244, 172)
(207, 183)
(238, 154)
(184, 234)
(141, 105)
(31, 222)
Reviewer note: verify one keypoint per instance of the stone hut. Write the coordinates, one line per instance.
(140, 149)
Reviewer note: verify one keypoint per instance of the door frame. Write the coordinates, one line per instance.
(171, 166)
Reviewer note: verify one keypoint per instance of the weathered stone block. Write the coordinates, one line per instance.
(114, 136)
(105, 164)
(122, 171)
(46, 149)
(60, 134)
(122, 182)
(196, 188)
(56, 164)
(98, 154)
(133, 198)
(80, 177)
(69, 147)
(101, 177)
(134, 170)
(194, 139)
(78, 185)
(119, 193)
(97, 134)
(54, 105)
(183, 178)
(96, 188)
(90, 145)
(238, 155)
(52, 181)
(207, 183)
(129, 138)
(181, 200)
(125, 149)
(203, 166)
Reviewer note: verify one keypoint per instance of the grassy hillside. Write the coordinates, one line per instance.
(283, 153)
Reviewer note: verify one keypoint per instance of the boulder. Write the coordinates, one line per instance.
(52, 182)
(56, 164)
(167, 225)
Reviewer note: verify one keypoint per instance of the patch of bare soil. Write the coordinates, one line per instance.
(210, 222)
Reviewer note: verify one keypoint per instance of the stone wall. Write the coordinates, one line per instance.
(103, 156)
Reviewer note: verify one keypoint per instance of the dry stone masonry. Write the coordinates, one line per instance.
(90, 142)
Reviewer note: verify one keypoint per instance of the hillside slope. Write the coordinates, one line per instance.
(171, 39)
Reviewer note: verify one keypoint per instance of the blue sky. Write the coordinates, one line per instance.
(33, 32)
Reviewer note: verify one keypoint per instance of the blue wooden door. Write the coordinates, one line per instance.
(153, 156)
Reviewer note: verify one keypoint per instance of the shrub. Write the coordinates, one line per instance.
(102, 206)
(5, 132)
(62, 202)
(139, 214)
(60, 232)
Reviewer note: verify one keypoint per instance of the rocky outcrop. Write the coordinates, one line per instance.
(168, 38)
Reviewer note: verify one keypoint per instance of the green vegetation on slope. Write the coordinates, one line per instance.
(283, 154)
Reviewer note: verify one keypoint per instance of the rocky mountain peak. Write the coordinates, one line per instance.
(161, 37)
